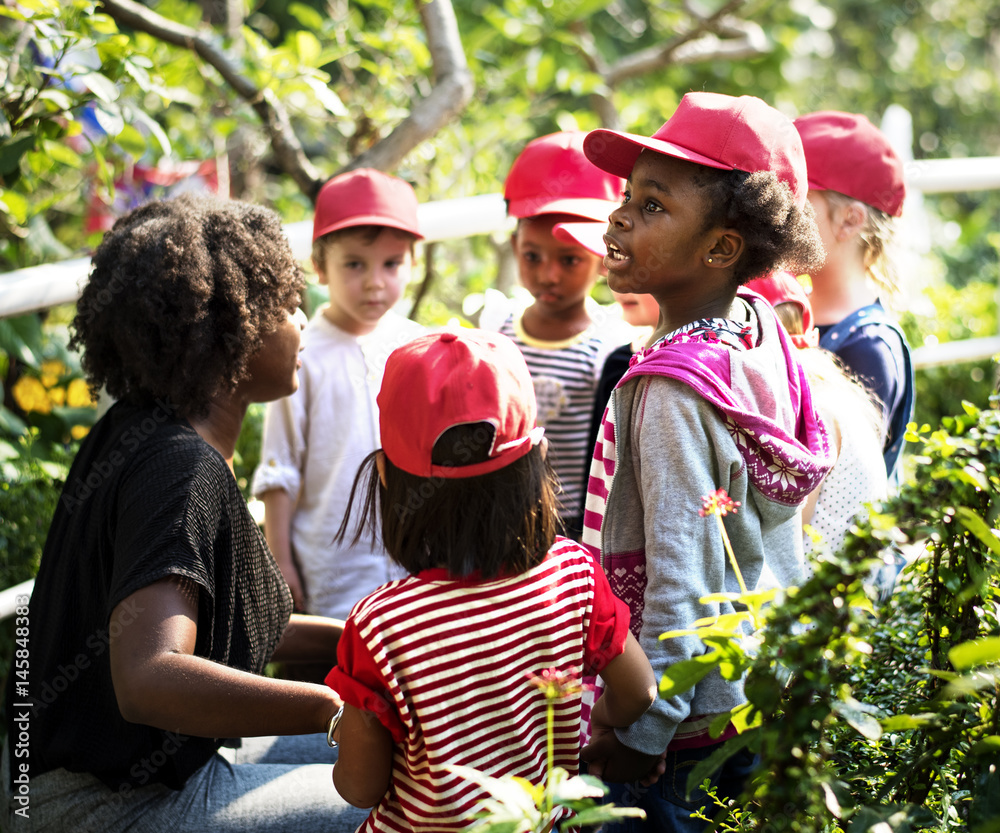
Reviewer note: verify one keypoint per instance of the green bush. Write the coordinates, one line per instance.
(884, 716)
(28, 495)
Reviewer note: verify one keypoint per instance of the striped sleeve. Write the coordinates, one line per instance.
(363, 686)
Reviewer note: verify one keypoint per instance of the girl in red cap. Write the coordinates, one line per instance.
(435, 669)
(716, 197)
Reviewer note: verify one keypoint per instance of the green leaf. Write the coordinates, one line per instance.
(59, 99)
(12, 425)
(139, 74)
(154, 127)
(986, 746)
(22, 337)
(104, 171)
(326, 96)
(507, 790)
(978, 527)
(607, 812)
(14, 12)
(105, 25)
(744, 718)
(109, 118)
(686, 674)
(970, 409)
(14, 204)
(132, 141)
(307, 47)
(61, 152)
(307, 16)
(903, 722)
(967, 655)
(11, 151)
(857, 715)
(101, 86)
(541, 70)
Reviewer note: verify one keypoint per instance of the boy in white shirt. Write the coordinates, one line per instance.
(364, 230)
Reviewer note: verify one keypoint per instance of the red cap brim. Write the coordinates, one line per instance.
(366, 220)
(588, 235)
(617, 152)
(584, 208)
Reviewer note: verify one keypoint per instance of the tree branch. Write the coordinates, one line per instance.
(700, 43)
(288, 152)
(600, 101)
(451, 92)
(453, 88)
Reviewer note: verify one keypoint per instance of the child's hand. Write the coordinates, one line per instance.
(610, 760)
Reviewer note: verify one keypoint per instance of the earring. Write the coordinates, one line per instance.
(709, 260)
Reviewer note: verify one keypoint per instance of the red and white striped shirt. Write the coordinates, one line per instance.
(444, 664)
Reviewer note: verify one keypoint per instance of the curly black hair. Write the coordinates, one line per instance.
(777, 234)
(180, 293)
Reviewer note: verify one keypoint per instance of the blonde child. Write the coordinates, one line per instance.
(364, 231)
(563, 334)
(854, 420)
(856, 189)
(714, 198)
(435, 669)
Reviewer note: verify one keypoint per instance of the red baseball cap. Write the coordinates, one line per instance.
(451, 378)
(365, 197)
(586, 234)
(715, 130)
(847, 153)
(553, 176)
(785, 288)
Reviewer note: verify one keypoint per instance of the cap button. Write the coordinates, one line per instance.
(448, 337)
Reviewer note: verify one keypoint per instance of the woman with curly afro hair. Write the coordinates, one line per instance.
(157, 604)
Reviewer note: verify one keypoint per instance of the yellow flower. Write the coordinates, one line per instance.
(58, 396)
(52, 371)
(78, 394)
(30, 395)
(78, 432)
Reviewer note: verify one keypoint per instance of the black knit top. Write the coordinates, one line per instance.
(146, 498)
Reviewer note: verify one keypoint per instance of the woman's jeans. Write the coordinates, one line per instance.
(269, 785)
